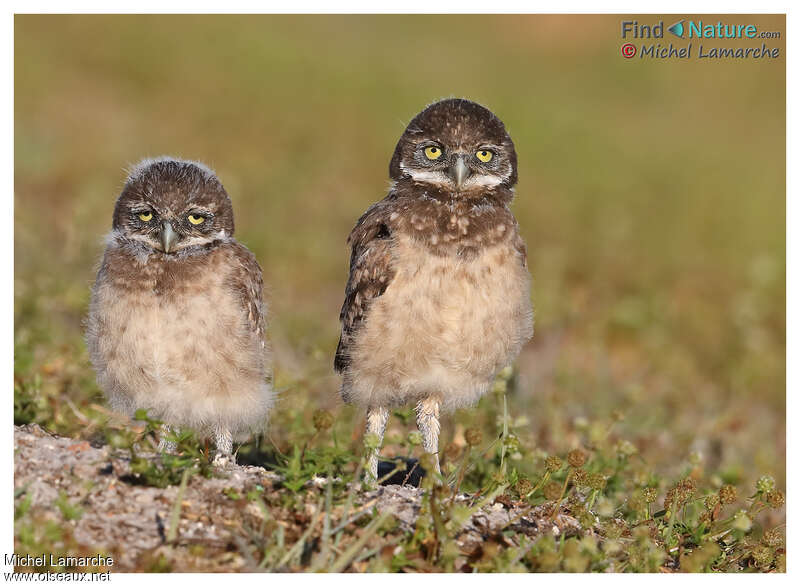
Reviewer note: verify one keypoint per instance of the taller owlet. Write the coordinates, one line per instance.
(176, 320)
(438, 299)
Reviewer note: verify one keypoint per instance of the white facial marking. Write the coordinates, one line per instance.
(440, 178)
(484, 180)
(434, 177)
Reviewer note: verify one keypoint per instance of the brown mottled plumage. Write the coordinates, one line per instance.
(438, 299)
(176, 321)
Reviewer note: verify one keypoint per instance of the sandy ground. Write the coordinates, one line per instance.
(133, 523)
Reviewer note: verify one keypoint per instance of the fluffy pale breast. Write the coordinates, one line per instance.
(178, 343)
(445, 326)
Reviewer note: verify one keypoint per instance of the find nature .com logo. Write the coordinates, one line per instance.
(690, 29)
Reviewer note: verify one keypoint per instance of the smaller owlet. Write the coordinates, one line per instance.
(438, 299)
(176, 319)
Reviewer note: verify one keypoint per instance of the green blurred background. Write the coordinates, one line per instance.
(651, 196)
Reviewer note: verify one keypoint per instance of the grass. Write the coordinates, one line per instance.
(652, 199)
(631, 518)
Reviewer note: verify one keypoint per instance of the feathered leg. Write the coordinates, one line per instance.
(428, 424)
(165, 445)
(223, 440)
(377, 417)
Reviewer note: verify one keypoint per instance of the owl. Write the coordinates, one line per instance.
(438, 297)
(176, 318)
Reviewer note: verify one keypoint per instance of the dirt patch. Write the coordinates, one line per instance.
(212, 525)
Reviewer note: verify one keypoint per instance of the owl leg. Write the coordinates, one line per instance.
(223, 440)
(165, 445)
(377, 418)
(428, 424)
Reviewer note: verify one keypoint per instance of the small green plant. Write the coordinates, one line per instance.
(166, 468)
(69, 511)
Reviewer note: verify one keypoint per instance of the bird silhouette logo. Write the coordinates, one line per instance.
(677, 29)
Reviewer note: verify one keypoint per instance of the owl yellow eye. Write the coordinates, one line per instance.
(196, 219)
(433, 153)
(145, 216)
(484, 155)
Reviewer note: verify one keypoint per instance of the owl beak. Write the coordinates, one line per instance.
(168, 237)
(459, 171)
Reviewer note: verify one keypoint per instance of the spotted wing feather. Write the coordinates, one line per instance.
(247, 281)
(370, 274)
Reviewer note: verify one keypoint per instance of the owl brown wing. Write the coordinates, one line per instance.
(247, 282)
(370, 273)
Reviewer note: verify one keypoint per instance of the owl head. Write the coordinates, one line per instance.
(458, 145)
(170, 205)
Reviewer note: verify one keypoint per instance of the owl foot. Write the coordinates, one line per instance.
(223, 461)
(165, 445)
